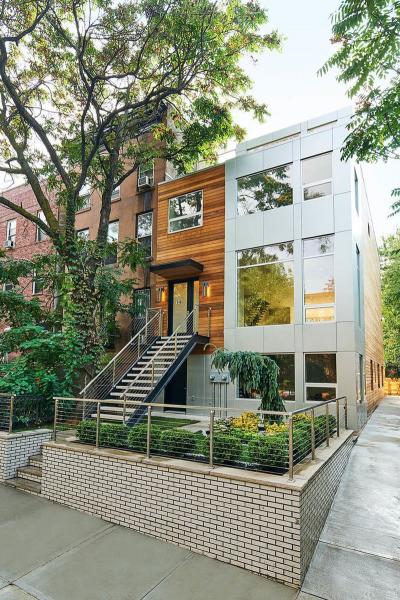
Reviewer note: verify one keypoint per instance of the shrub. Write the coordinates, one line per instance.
(271, 428)
(178, 441)
(248, 421)
(227, 447)
(114, 434)
(137, 437)
(86, 431)
(270, 450)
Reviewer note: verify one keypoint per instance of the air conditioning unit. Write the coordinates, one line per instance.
(9, 244)
(145, 182)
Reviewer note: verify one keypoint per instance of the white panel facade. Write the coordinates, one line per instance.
(324, 213)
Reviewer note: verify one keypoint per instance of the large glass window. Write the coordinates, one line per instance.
(319, 281)
(144, 230)
(185, 212)
(286, 379)
(265, 190)
(320, 377)
(265, 285)
(40, 234)
(317, 176)
(112, 238)
(11, 231)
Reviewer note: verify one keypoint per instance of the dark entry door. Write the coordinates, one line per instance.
(175, 391)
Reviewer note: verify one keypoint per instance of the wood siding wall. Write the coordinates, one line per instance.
(203, 244)
(373, 355)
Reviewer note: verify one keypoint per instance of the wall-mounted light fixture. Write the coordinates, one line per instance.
(160, 294)
(205, 289)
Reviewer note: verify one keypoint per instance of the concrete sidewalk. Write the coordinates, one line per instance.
(50, 552)
(358, 555)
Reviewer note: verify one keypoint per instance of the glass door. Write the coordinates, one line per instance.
(183, 296)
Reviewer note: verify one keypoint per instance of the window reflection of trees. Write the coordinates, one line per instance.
(265, 190)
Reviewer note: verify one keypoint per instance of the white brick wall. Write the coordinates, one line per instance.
(256, 526)
(16, 448)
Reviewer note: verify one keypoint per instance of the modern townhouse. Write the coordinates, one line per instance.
(301, 268)
(273, 251)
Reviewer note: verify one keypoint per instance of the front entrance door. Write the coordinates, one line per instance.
(175, 391)
(182, 297)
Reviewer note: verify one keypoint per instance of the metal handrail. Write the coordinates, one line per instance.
(167, 341)
(131, 342)
(212, 411)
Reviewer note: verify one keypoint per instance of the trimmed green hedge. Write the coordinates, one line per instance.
(258, 451)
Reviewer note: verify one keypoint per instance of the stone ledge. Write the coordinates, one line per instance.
(304, 472)
(20, 434)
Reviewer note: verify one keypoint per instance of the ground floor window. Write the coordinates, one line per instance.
(286, 379)
(320, 377)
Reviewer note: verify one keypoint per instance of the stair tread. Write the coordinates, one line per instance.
(36, 458)
(24, 484)
(30, 470)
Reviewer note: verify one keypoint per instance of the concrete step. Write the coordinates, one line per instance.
(30, 473)
(36, 460)
(31, 487)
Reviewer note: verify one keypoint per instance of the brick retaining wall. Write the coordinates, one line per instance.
(16, 448)
(251, 520)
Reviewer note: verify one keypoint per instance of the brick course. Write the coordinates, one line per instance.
(256, 526)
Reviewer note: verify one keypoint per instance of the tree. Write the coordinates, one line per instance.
(368, 33)
(47, 356)
(390, 253)
(254, 372)
(81, 84)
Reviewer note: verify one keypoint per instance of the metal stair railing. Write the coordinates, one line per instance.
(188, 326)
(101, 385)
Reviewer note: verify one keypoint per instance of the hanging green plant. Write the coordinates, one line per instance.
(255, 372)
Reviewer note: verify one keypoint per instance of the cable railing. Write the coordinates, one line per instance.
(25, 412)
(101, 385)
(257, 440)
(156, 367)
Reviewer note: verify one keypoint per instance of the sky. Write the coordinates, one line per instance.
(288, 83)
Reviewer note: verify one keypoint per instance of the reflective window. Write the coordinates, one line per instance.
(40, 234)
(116, 193)
(112, 238)
(84, 202)
(286, 379)
(319, 281)
(265, 190)
(83, 234)
(144, 230)
(320, 377)
(37, 284)
(265, 285)
(146, 173)
(11, 231)
(317, 176)
(185, 212)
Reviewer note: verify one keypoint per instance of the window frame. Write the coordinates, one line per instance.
(11, 237)
(293, 354)
(318, 385)
(116, 194)
(324, 304)
(181, 218)
(274, 262)
(139, 173)
(319, 181)
(289, 164)
(138, 215)
(107, 261)
(41, 235)
(35, 292)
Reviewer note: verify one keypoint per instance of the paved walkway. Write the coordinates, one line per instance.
(358, 555)
(50, 552)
